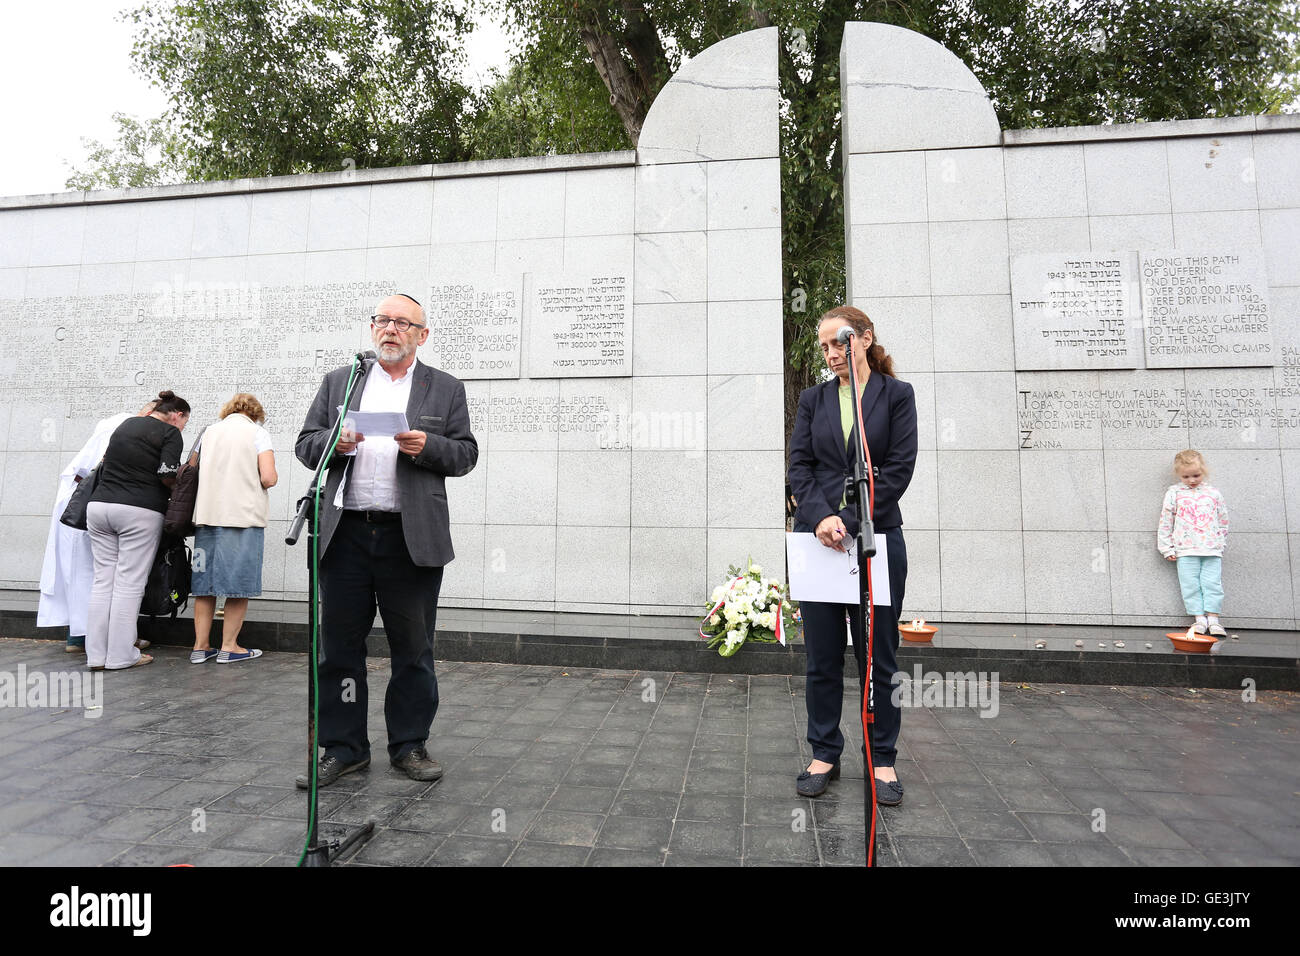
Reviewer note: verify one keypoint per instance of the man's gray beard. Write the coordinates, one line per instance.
(393, 353)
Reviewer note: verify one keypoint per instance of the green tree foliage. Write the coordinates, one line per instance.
(274, 87)
(146, 153)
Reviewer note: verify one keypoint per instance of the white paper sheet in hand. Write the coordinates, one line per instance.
(377, 424)
(819, 573)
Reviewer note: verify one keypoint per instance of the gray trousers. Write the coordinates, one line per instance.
(124, 541)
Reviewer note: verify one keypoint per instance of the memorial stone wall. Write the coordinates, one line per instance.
(616, 320)
(1073, 307)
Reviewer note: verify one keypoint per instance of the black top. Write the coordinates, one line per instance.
(140, 452)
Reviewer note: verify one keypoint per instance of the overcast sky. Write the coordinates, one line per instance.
(65, 69)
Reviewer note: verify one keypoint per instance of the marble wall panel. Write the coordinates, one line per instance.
(401, 214)
(1062, 490)
(16, 227)
(921, 596)
(530, 206)
(1132, 232)
(668, 565)
(889, 260)
(745, 412)
(1280, 231)
(166, 229)
(669, 489)
(1277, 175)
(279, 222)
(973, 333)
(110, 233)
(29, 476)
(745, 489)
(1212, 172)
(744, 194)
(56, 236)
(672, 338)
(1128, 177)
(463, 579)
(887, 188)
(975, 410)
(1027, 237)
(979, 489)
(599, 202)
(465, 210)
(744, 264)
(519, 563)
(22, 545)
(970, 585)
(969, 258)
(920, 503)
(670, 267)
(13, 283)
(965, 184)
(593, 565)
(742, 337)
(594, 489)
(1058, 557)
(221, 226)
(671, 198)
(1045, 182)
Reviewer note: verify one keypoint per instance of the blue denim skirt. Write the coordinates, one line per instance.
(227, 562)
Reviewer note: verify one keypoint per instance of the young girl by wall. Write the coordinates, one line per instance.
(1193, 529)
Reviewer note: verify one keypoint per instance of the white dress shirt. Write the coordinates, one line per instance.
(371, 481)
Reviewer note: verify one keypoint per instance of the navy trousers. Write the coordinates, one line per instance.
(367, 564)
(824, 635)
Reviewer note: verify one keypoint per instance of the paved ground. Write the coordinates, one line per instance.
(554, 766)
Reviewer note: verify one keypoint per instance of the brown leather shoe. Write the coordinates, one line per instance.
(417, 765)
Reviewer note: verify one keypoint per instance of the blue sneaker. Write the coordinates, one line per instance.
(225, 657)
(202, 657)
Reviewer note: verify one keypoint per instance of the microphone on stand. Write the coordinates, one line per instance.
(366, 358)
(844, 334)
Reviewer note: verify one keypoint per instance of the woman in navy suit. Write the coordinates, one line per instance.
(821, 457)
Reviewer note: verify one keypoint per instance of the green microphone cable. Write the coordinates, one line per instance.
(315, 621)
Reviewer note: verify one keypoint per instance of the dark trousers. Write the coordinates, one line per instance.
(824, 640)
(368, 564)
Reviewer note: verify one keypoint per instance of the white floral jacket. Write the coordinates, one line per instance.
(1193, 521)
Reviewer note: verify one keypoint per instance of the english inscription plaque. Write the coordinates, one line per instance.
(1205, 309)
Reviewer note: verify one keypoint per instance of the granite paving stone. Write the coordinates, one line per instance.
(578, 766)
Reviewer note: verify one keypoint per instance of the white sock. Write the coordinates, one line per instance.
(1213, 618)
(1200, 619)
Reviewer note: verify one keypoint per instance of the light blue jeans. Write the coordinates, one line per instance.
(1201, 579)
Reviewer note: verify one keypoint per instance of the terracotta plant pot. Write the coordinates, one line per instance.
(917, 635)
(1192, 644)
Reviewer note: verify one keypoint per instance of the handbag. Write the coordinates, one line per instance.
(179, 517)
(74, 515)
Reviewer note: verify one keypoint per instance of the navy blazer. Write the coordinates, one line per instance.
(820, 460)
(436, 407)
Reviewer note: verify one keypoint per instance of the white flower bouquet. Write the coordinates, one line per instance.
(747, 607)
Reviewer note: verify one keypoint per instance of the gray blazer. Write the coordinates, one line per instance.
(438, 408)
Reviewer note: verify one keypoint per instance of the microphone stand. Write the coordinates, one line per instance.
(858, 490)
(316, 854)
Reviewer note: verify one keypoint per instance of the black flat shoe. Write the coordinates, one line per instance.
(889, 793)
(815, 784)
(330, 769)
